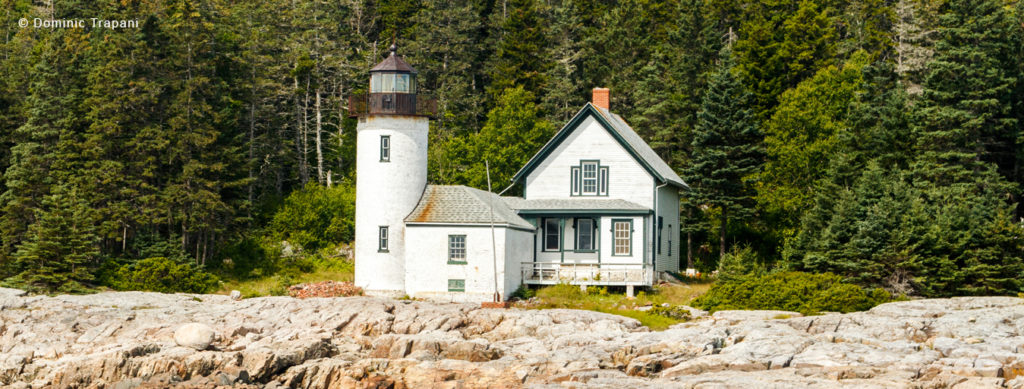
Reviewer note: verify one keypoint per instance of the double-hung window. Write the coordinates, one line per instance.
(622, 232)
(385, 148)
(382, 243)
(585, 234)
(552, 234)
(457, 249)
(590, 178)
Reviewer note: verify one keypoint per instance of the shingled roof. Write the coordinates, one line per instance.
(393, 63)
(633, 143)
(457, 204)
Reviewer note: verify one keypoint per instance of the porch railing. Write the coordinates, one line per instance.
(605, 273)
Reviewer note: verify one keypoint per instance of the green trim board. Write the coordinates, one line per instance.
(587, 110)
(466, 225)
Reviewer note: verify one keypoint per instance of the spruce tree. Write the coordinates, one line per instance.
(726, 149)
(60, 248)
(519, 54)
(781, 45)
(966, 118)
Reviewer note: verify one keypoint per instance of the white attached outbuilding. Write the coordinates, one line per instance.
(463, 244)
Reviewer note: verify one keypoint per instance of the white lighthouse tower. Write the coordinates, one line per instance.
(391, 172)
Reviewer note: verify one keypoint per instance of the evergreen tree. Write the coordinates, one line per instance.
(966, 118)
(780, 46)
(726, 149)
(519, 54)
(60, 247)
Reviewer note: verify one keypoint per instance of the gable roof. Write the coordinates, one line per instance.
(457, 204)
(622, 132)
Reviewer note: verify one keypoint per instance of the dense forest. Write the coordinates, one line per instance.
(880, 140)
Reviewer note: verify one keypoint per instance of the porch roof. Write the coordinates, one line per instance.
(575, 206)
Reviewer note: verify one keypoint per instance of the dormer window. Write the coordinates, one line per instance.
(589, 179)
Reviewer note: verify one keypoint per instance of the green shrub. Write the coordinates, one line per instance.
(523, 293)
(159, 274)
(316, 216)
(790, 291)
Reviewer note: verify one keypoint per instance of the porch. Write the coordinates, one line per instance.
(604, 274)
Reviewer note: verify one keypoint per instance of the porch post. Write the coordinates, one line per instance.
(561, 238)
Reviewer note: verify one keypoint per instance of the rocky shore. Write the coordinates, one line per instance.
(127, 340)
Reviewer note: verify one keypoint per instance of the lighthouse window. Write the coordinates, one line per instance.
(401, 83)
(383, 239)
(375, 86)
(385, 148)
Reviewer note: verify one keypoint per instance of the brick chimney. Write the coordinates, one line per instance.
(601, 97)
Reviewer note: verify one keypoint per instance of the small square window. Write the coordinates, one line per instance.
(457, 249)
(456, 285)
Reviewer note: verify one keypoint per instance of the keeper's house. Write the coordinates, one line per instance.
(599, 206)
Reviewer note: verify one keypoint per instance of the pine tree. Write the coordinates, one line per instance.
(726, 149)
(780, 46)
(60, 247)
(966, 119)
(519, 54)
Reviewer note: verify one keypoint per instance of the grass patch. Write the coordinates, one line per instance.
(277, 285)
(600, 300)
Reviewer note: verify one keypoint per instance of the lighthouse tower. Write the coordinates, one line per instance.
(391, 172)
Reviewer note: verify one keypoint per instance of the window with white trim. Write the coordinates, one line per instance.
(552, 234)
(585, 234)
(622, 231)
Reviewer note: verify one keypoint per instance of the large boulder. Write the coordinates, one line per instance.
(194, 335)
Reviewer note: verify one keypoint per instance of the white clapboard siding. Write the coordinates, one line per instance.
(628, 180)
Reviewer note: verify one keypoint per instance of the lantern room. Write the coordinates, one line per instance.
(393, 75)
(392, 91)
